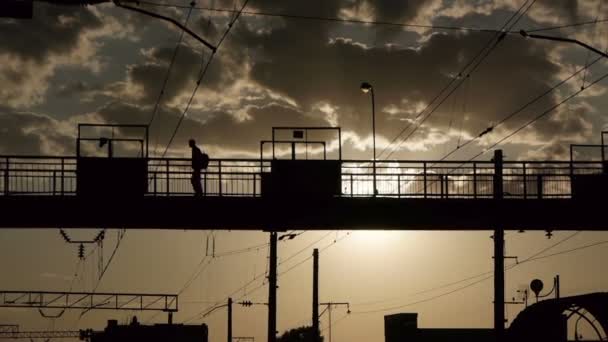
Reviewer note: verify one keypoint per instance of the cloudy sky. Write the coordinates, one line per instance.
(104, 64)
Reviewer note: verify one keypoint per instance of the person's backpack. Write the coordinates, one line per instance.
(204, 160)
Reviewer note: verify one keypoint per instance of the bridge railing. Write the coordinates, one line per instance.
(31, 175)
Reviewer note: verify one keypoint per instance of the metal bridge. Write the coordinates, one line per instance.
(113, 183)
(40, 191)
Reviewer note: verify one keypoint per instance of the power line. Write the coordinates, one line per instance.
(257, 277)
(540, 116)
(521, 109)
(366, 22)
(202, 75)
(475, 62)
(243, 250)
(552, 28)
(321, 18)
(166, 80)
(528, 259)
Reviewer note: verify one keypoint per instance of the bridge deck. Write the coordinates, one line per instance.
(237, 213)
(41, 192)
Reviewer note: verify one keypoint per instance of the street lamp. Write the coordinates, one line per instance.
(366, 88)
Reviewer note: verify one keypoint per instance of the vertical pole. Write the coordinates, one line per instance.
(167, 175)
(424, 171)
(374, 139)
(170, 320)
(62, 175)
(219, 166)
(557, 292)
(272, 289)
(6, 174)
(329, 313)
(315, 294)
(229, 319)
(525, 182)
(474, 180)
(499, 254)
(293, 150)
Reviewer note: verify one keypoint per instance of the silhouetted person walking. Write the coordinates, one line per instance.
(199, 162)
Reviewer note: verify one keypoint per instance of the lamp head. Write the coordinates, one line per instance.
(103, 142)
(366, 87)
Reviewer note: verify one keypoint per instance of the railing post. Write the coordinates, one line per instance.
(62, 176)
(441, 185)
(539, 186)
(54, 181)
(205, 183)
(155, 182)
(525, 182)
(424, 178)
(351, 185)
(167, 175)
(474, 180)
(398, 186)
(6, 175)
(219, 167)
(254, 184)
(447, 186)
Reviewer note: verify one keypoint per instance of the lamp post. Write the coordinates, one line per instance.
(365, 88)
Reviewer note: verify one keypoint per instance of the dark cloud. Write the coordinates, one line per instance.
(565, 9)
(55, 30)
(220, 131)
(397, 10)
(319, 69)
(26, 133)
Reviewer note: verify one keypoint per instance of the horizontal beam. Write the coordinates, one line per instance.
(39, 334)
(89, 301)
(238, 213)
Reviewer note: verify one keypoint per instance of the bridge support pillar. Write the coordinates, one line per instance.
(272, 289)
(499, 254)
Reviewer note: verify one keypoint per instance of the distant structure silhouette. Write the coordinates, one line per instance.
(150, 333)
(301, 334)
(199, 162)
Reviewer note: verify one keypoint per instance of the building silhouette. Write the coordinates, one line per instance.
(136, 332)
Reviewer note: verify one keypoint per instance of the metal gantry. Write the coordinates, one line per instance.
(30, 335)
(89, 300)
(8, 328)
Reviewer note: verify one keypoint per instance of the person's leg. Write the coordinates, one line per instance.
(196, 183)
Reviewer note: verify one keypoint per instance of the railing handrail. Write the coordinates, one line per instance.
(257, 160)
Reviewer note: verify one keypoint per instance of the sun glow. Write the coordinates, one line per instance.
(374, 238)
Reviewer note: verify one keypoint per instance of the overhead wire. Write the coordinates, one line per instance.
(202, 75)
(168, 73)
(519, 110)
(260, 275)
(540, 116)
(473, 64)
(257, 277)
(458, 289)
(366, 22)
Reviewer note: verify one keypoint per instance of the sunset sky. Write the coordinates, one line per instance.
(104, 64)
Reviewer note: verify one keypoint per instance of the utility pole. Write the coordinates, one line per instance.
(328, 308)
(315, 294)
(229, 319)
(499, 254)
(272, 289)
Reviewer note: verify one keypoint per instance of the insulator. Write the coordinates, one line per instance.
(81, 251)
